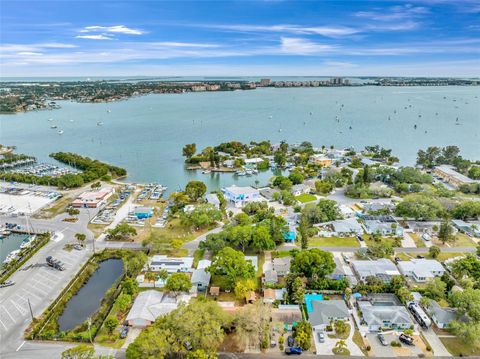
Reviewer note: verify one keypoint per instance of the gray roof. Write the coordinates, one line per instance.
(374, 268)
(377, 314)
(442, 315)
(151, 304)
(282, 264)
(346, 226)
(200, 276)
(323, 310)
(421, 267)
(450, 171)
(212, 198)
(271, 276)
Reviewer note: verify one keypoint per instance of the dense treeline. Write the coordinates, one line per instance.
(10, 158)
(92, 170)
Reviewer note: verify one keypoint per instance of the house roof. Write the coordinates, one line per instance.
(346, 225)
(300, 187)
(377, 267)
(323, 310)
(378, 315)
(450, 171)
(269, 294)
(282, 264)
(212, 198)
(200, 276)
(241, 190)
(271, 276)
(421, 267)
(151, 304)
(204, 263)
(442, 315)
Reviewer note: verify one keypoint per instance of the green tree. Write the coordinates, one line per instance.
(151, 276)
(296, 177)
(232, 265)
(178, 282)
(189, 150)
(313, 264)
(341, 327)
(404, 294)
(82, 351)
(303, 230)
(73, 211)
(130, 286)
(195, 190)
(111, 323)
(303, 335)
(121, 232)
(201, 354)
(419, 206)
(445, 233)
(434, 251)
(323, 187)
(244, 287)
(435, 289)
(261, 238)
(123, 301)
(80, 238)
(203, 215)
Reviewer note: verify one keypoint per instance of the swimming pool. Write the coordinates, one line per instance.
(308, 298)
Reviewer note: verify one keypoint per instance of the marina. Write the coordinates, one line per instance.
(150, 147)
(10, 245)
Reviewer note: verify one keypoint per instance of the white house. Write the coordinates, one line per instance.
(171, 264)
(240, 196)
(151, 304)
(326, 311)
(299, 189)
(421, 270)
(212, 198)
(381, 268)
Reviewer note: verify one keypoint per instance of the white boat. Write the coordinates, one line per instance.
(206, 171)
(53, 126)
(11, 256)
(60, 132)
(50, 119)
(109, 111)
(100, 123)
(240, 173)
(27, 242)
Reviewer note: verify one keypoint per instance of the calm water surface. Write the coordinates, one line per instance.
(146, 134)
(10, 243)
(87, 300)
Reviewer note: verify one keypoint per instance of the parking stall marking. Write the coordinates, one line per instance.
(41, 283)
(29, 293)
(18, 308)
(8, 312)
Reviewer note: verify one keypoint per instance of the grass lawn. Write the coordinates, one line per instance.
(419, 242)
(197, 256)
(96, 229)
(369, 241)
(358, 340)
(403, 256)
(443, 256)
(343, 336)
(280, 254)
(462, 240)
(457, 347)
(57, 207)
(334, 242)
(305, 197)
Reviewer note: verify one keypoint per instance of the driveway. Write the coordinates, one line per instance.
(326, 347)
(407, 241)
(192, 246)
(435, 342)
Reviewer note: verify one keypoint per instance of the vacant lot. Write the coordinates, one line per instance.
(334, 242)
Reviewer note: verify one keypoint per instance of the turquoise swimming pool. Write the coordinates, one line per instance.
(308, 298)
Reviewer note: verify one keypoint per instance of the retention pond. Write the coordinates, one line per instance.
(83, 304)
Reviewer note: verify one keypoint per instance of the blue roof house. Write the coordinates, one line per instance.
(143, 212)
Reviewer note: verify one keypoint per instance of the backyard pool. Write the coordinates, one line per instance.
(309, 298)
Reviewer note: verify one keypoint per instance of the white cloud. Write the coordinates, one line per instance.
(327, 31)
(400, 12)
(30, 53)
(94, 37)
(299, 46)
(117, 29)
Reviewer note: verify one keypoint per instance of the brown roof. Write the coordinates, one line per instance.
(269, 294)
(215, 291)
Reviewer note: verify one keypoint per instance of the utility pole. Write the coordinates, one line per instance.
(89, 326)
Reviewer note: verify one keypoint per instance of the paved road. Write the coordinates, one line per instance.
(36, 282)
(287, 247)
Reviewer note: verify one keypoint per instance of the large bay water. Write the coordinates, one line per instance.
(146, 134)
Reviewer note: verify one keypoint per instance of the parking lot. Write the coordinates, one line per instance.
(37, 283)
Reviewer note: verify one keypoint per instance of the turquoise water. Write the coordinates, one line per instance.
(146, 134)
(308, 300)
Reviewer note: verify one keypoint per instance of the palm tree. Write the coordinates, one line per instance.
(151, 276)
(163, 275)
(80, 238)
(341, 346)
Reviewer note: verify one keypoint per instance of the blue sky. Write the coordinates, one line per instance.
(270, 37)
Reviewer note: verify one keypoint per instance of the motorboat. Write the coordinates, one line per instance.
(60, 132)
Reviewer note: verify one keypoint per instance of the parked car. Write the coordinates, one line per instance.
(360, 238)
(293, 350)
(406, 339)
(290, 341)
(397, 259)
(321, 337)
(420, 256)
(382, 339)
(346, 259)
(124, 332)
(8, 283)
